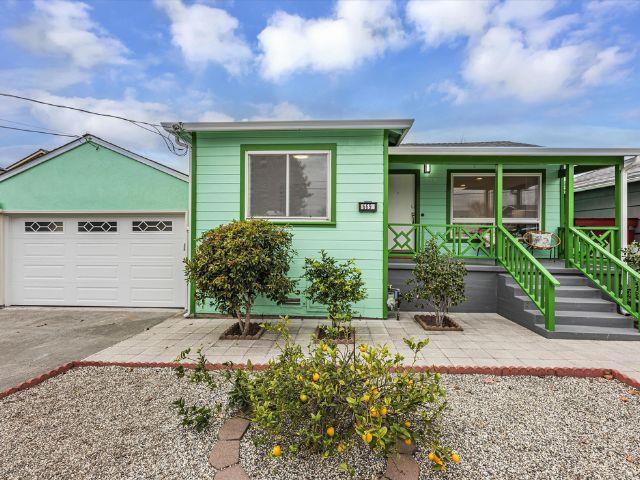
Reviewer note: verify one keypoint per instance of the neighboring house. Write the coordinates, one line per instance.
(353, 189)
(595, 196)
(92, 224)
(23, 161)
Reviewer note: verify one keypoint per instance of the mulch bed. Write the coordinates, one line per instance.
(321, 334)
(234, 332)
(428, 322)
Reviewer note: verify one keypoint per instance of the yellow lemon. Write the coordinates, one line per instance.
(366, 397)
(276, 451)
(331, 431)
(367, 437)
(303, 397)
(383, 411)
(374, 412)
(407, 424)
(455, 457)
(407, 441)
(316, 377)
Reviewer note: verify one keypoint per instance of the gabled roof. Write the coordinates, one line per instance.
(32, 156)
(88, 138)
(495, 143)
(604, 177)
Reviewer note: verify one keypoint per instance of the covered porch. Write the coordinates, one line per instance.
(447, 194)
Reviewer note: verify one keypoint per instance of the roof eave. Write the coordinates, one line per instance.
(516, 151)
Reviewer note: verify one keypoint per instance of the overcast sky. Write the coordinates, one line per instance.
(557, 73)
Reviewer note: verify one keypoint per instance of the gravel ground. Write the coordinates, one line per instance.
(116, 423)
(104, 423)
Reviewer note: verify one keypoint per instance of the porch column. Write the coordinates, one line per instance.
(497, 205)
(2, 255)
(568, 213)
(621, 209)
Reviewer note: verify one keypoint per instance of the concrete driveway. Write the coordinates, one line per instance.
(36, 340)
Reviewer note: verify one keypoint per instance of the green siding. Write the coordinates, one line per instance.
(88, 179)
(360, 176)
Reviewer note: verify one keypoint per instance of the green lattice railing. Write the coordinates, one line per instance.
(613, 276)
(460, 240)
(603, 236)
(529, 273)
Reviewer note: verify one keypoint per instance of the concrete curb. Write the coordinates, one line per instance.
(506, 371)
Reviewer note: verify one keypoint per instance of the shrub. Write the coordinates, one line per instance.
(438, 280)
(235, 263)
(632, 255)
(335, 285)
(336, 396)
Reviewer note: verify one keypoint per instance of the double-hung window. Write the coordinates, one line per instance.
(288, 186)
(472, 200)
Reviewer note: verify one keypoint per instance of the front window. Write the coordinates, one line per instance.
(472, 200)
(288, 185)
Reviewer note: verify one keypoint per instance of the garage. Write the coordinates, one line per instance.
(92, 224)
(89, 260)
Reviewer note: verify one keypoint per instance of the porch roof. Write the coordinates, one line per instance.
(462, 154)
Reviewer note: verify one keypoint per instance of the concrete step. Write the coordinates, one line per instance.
(585, 318)
(581, 332)
(565, 280)
(577, 292)
(592, 304)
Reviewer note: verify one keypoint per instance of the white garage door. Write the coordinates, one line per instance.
(116, 260)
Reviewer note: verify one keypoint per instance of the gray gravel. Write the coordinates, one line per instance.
(116, 423)
(540, 428)
(104, 423)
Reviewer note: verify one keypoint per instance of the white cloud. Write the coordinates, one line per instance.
(357, 31)
(206, 35)
(446, 20)
(515, 49)
(64, 28)
(278, 111)
(214, 116)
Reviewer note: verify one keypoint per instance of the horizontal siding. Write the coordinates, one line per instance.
(600, 203)
(360, 176)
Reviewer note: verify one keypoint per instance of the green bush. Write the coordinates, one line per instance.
(438, 280)
(328, 400)
(237, 262)
(335, 285)
(632, 255)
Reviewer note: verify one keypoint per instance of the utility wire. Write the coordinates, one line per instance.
(175, 148)
(40, 131)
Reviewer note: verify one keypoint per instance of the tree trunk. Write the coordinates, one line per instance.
(247, 320)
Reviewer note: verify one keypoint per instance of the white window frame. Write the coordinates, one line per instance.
(492, 221)
(287, 218)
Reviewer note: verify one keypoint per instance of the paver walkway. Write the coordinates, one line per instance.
(487, 340)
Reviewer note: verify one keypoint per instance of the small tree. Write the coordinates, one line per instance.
(336, 285)
(235, 263)
(438, 280)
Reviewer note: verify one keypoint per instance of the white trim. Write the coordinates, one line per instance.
(505, 220)
(103, 143)
(514, 151)
(390, 124)
(287, 218)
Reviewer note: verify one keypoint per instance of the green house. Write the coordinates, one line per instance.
(356, 190)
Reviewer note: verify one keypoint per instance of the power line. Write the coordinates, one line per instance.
(176, 149)
(40, 131)
(42, 102)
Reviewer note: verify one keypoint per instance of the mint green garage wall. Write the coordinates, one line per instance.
(433, 191)
(359, 176)
(90, 179)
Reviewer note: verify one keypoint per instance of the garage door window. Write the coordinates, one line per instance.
(97, 227)
(38, 227)
(152, 226)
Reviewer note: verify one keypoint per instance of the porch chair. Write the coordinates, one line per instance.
(539, 240)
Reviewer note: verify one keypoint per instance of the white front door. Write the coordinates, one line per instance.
(96, 260)
(402, 210)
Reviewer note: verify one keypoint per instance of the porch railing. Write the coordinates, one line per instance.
(603, 236)
(460, 240)
(529, 273)
(613, 276)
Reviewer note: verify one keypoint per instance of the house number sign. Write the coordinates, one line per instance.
(367, 207)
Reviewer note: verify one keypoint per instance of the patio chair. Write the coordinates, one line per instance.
(539, 240)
